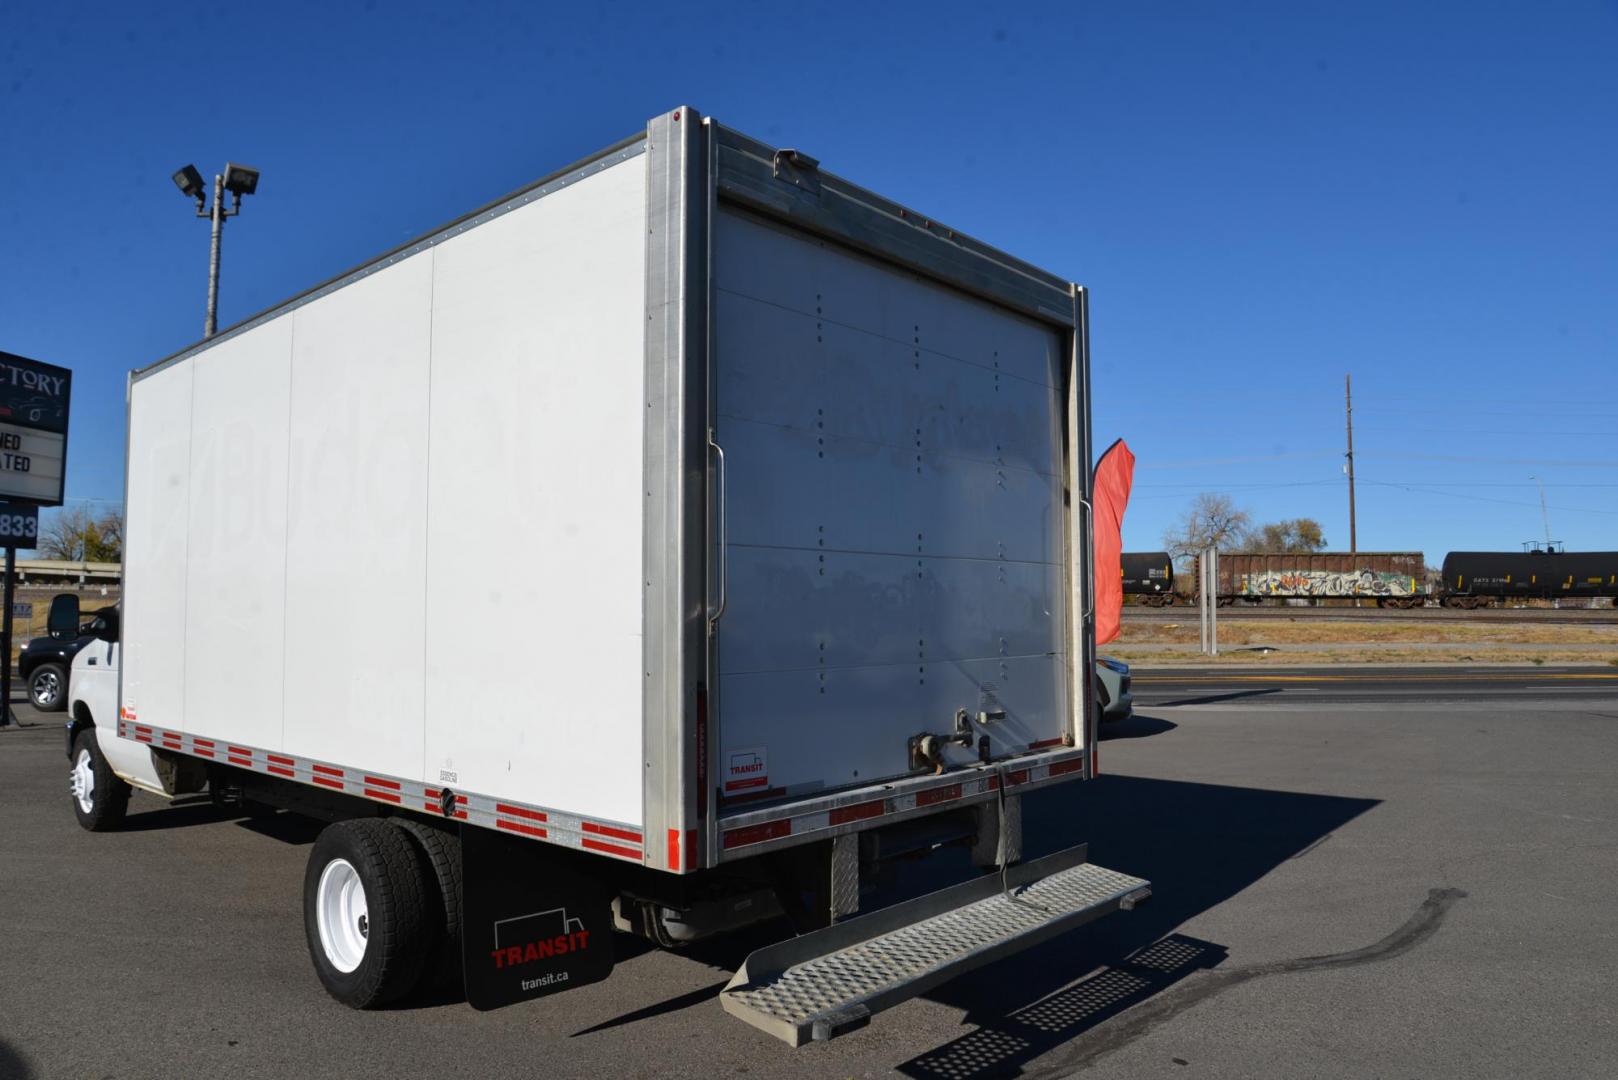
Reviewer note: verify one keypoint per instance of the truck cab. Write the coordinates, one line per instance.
(102, 767)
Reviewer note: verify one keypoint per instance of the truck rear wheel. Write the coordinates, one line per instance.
(365, 912)
(442, 851)
(100, 796)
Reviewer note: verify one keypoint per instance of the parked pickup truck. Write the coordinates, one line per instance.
(804, 476)
(43, 663)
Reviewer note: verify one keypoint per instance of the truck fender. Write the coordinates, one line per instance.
(79, 719)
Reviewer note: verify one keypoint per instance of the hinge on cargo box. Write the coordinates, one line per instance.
(799, 169)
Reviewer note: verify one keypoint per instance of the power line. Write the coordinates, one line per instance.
(1192, 463)
(1467, 460)
(1483, 498)
(1492, 431)
(1497, 484)
(1193, 485)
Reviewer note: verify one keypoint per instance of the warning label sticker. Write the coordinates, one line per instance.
(746, 770)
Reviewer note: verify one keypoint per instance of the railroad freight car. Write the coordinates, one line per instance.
(1391, 578)
(1150, 576)
(1481, 578)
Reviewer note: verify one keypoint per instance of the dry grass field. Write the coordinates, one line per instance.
(1336, 641)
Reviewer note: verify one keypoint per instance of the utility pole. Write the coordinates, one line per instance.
(1544, 513)
(1348, 398)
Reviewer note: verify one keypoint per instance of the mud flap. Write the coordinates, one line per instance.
(534, 920)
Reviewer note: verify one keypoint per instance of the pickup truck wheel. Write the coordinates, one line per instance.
(441, 851)
(365, 912)
(48, 688)
(100, 797)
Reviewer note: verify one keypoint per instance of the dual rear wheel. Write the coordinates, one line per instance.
(381, 909)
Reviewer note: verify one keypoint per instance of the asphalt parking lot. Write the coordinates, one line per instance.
(1406, 883)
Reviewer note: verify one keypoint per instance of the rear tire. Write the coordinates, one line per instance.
(366, 912)
(100, 796)
(441, 854)
(47, 688)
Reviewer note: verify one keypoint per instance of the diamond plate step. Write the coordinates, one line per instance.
(822, 984)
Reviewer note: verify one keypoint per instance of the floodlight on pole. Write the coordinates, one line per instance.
(239, 180)
(189, 181)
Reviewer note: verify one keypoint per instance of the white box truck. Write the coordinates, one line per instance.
(658, 549)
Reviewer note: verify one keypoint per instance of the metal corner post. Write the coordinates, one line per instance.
(676, 486)
(1086, 480)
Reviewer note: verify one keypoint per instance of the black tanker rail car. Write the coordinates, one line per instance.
(1150, 576)
(1481, 578)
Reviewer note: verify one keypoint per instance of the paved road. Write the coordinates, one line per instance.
(1414, 886)
(1396, 687)
(1570, 616)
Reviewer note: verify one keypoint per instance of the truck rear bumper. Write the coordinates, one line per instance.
(820, 985)
(744, 833)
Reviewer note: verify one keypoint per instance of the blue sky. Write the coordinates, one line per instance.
(1261, 197)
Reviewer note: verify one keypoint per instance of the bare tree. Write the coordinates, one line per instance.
(77, 535)
(1211, 521)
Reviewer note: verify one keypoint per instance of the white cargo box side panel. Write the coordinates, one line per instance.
(153, 661)
(534, 672)
(357, 522)
(235, 591)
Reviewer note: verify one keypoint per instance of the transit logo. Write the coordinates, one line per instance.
(544, 935)
(746, 770)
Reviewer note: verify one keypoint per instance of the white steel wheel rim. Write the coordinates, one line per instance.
(83, 778)
(341, 915)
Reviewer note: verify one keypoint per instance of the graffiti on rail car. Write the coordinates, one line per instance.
(1327, 583)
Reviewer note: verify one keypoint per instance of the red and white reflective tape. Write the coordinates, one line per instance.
(746, 834)
(611, 838)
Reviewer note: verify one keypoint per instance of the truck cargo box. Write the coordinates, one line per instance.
(689, 503)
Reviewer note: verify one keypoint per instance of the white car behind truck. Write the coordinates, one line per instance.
(799, 480)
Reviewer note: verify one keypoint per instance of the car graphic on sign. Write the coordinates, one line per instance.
(541, 924)
(34, 410)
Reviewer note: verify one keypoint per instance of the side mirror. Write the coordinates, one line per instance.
(64, 617)
(105, 625)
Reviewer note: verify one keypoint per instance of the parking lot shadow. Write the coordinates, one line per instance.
(1199, 845)
(1025, 1033)
(1210, 699)
(1136, 726)
(175, 815)
(13, 1066)
(200, 810)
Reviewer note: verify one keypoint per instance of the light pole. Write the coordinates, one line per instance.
(239, 180)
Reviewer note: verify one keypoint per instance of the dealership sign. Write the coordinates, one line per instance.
(33, 429)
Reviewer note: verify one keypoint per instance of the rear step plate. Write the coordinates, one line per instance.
(822, 984)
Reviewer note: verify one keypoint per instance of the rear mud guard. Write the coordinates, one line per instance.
(535, 921)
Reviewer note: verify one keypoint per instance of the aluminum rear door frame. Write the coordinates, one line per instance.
(699, 169)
